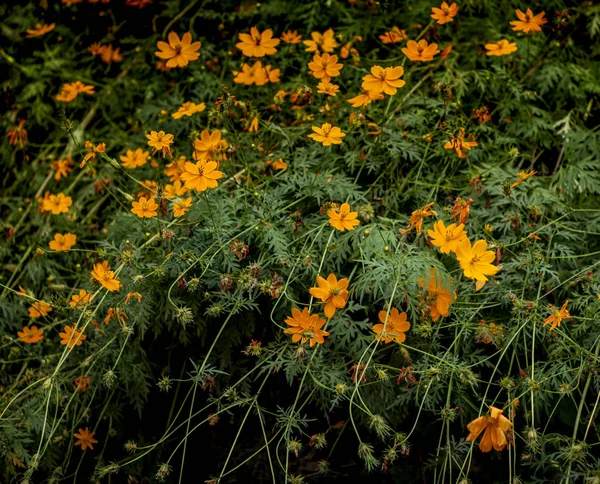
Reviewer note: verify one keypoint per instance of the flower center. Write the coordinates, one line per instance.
(449, 234)
(475, 259)
(178, 48)
(334, 291)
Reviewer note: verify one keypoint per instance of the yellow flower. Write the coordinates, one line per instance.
(181, 207)
(70, 91)
(325, 66)
(291, 37)
(201, 175)
(332, 292)
(522, 177)
(447, 238)
(188, 109)
(145, 208)
(175, 169)
(175, 190)
(385, 80)
(80, 300)
(421, 51)
(72, 337)
(528, 22)
(160, 141)
(249, 75)
(476, 260)
(178, 52)
(306, 327)
(365, 98)
(328, 88)
(57, 203)
(210, 146)
(343, 219)
(62, 168)
(39, 309)
(445, 13)
(459, 144)
(31, 335)
(439, 298)
(62, 242)
(502, 47)
(257, 44)
(557, 316)
(495, 426)
(106, 277)
(324, 42)
(393, 326)
(133, 159)
(327, 134)
(393, 36)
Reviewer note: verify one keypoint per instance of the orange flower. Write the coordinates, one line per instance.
(325, 66)
(306, 327)
(31, 335)
(328, 88)
(85, 438)
(459, 144)
(188, 109)
(291, 37)
(249, 75)
(557, 316)
(342, 218)
(421, 51)
(528, 22)
(461, 209)
(324, 42)
(70, 91)
(392, 327)
(495, 425)
(72, 337)
(106, 277)
(447, 238)
(62, 242)
(40, 30)
(62, 168)
(132, 295)
(92, 152)
(482, 114)
(327, 134)
(175, 190)
(107, 53)
(175, 169)
(39, 309)
(332, 292)
(277, 164)
(257, 44)
(416, 218)
(502, 47)
(476, 260)
(118, 314)
(210, 146)
(385, 80)
(393, 36)
(81, 383)
(178, 52)
(439, 298)
(145, 208)
(133, 159)
(56, 203)
(445, 13)
(80, 300)
(365, 98)
(160, 141)
(522, 177)
(181, 207)
(201, 175)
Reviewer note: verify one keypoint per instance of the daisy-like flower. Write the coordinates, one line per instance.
(386, 80)
(70, 91)
(332, 292)
(175, 169)
(133, 159)
(31, 335)
(106, 277)
(201, 175)
(92, 152)
(40, 30)
(160, 141)
(188, 109)
(62, 242)
(393, 36)
(306, 327)
(57, 204)
(72, 337)
(476, 260)
(210, 146)
(367, 97)
(257, 44)
(447, 238)
(438, 297)
(342, 218)
(145, 208)
(324, 42)
(445, 13)
(420, 51)
(557, 316)
(291, 37)
(39, 309)
(62, 168)
(178, 52)
(250, 75)
(325, 66)
(459, 144)
(81, 300)
(393, 326)
(528, 22)
(328, 88)
(177, 189)
(181, 207)
(495, 425)
(85, 438)
(416, 218)
(327, 134)
(502, 47)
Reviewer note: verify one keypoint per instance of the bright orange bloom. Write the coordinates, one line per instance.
(145, 208)
(175, 169)
(249, 75)
(272, 74)
(325, 66)
(393, 36)
(306, 327)
(178, 52)
(40, 30)
(39, 309)
(459, 144)
(385, 80)
(133, 159)
(365, 98)
(438, 297)
(421, 51)
(445, 13)
(277, 164)
(72, 337)
(342, 218)
(522, 177)
(177, 189)
(461, 209)
(106, 277)
(557, 316)
(528, 22)
(328, 88)
(80, 300)
(257, 44)
(416, 218)
(62, 168)
(392, 327)
(181, 207)
(92, 152)
(85, 438)
(495, 425)
(332, 292)
(324, 42)
(502, 47)
(31, 335)
(447, 238)
(70, 91)
(62, 242)
(327, 134)
(188, 109)
(291, 37)
(201, 175)
(56, 203)
(476, 260)
(210, 146)
(160, 141)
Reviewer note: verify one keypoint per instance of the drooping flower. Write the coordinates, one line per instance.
(495, 425)
(438, 297)
(528, 22)
(133, 159)
(342, 218)
(201, 175)
(557, 316)
(31, 335)
(445, 13)
(393, 36)
(62, 168)
(447, 238)
(324, 42)
(17, 134)
(306, 327)
(385, 80)
(72, 337)
(327, 134)
(393, 326)
(92, 152)
(476, 260)
(188, 109)
(291, 37)
(178, 52)
(502, 47)
(257, 44)
(81, 300)
(40, 30)
(81, 383)
(325, 66)
(181, 207)
(85, 438)
(39, 309)
(416, 218)
(459, 144)
(106, 277)
(62, 242)
(461, 209)
(421, 51)
(365, 98)
(145, 208)
(210, 146)
(160, 141)
(328, 88)
(118, 314)
(332, 292)
(522, 177)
